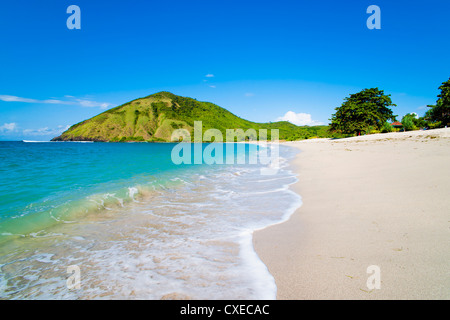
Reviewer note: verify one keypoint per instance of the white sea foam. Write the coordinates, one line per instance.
(192, 240)
(44, 257)
(263, 282)
(132, 191)
(33, 141)
(3, 282)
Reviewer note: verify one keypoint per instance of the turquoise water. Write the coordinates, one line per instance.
(43, 183)
(136, 224)
(39, 180)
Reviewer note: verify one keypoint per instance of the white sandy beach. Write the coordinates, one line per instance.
(380, 200)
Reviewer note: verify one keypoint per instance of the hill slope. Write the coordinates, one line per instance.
(155, 117)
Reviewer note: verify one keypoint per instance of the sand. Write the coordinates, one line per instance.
(380, 200)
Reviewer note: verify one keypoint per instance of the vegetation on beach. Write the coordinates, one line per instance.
(368, 112)
(440, 112)
(364, 111)
(155, 117)
(387, 127)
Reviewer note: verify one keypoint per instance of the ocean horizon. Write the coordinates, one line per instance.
(134, 224)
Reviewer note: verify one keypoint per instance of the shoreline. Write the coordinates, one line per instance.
(370, 200)
(189, 239)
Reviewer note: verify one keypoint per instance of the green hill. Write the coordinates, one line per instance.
(155, 117)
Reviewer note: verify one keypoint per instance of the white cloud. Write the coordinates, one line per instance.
(249, 94)
(73, 101)
(212, 86)
(299, 119)
(46, 131)
(54, 101)
(209, 75)
(89, 103)
(8, 98)
(13, 128)
(8, 127)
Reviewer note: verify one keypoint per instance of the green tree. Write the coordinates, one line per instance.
(440, 113)
(421, 122)
(418, 122)
(361, 111)
(387, 127)
(408, 122)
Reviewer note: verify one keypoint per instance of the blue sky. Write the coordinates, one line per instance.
(258, 59)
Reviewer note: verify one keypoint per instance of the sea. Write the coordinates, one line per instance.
(125, 221)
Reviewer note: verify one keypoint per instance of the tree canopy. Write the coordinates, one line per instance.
(408, 122)
(440, 112)
(362, 111)
(154, 118)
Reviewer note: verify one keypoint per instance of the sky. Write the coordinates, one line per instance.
(262, 60)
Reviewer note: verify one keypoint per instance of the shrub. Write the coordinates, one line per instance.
(387, 127)
(408, 123)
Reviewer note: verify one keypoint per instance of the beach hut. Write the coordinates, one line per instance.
(397, 125)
